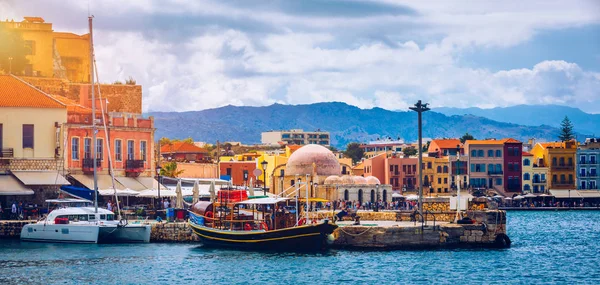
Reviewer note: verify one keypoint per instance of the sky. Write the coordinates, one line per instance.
(199, 54)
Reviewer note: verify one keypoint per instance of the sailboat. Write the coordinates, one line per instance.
(85, 224)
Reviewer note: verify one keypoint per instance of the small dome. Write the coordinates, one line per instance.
(332, 180)
(372, 180)
(359, 180)
(302, 160)
(347, 179)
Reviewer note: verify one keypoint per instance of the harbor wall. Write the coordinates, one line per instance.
(172, 232)
(488, 231)
(12, 229)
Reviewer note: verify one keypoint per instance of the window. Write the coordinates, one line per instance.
(592, 159)
(99, 154)
(87, 148)
(570, 161)
(30, 47)
(498, 168)
(582, 172)
(570, 178)
(474, 153)
(561, 161)
(498, 181)
(143, 150)
(472, 167)
(563, 178)
(593, 184)
(526, 187)
(27, 136)
(118, 150)
(130, 153)
(582, 159)
(75, 148)
(439, 169)
(554, 161)
(498, 153)
(445, 169)
(490, 153)
(428, 165)
(526, 176)
(480, 153)
(582, 185)
(446, 180)
(593, 172)
(554, 178)
(439, 180)
(526, 162)
(346, 194)
(543, 176)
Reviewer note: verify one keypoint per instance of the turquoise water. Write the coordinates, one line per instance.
(548, 247)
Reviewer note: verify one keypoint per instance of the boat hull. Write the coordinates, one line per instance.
(124, 234)
(60, 233)
(302, 238)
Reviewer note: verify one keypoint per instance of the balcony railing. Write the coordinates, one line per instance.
(563, 183)
(7, 153)
(134, 165)
(563, 167)
(495, 172)
(541, 181)
(87, 165)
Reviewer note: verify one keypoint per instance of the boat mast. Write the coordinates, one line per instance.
(94, 146)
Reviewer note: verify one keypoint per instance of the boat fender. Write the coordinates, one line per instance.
(209, 215)
(247, 227)
(502, 241)
(264, 226)
(302, 221)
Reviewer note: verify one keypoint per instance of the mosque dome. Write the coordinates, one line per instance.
(359, 180)
(347, 179)
(301, 161)
(332, 180)
(372, 180)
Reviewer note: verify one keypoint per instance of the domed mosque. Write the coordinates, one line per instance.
(318, 166)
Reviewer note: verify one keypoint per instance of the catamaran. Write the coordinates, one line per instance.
(86, 224)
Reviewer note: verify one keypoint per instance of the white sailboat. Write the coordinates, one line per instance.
(86, 224)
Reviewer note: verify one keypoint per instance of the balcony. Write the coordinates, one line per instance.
(541, 181)
(496, 172)
(87, 165)
(134, 166)
(7, 153)
(563, 167)
(563, 183)
(592, 175)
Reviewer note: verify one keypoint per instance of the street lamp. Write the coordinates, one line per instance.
(264, 168)
(158, 168)
(420, 108)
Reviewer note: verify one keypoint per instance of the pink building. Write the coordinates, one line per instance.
(398, 171)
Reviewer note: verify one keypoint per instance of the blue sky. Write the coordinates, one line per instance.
(194, 55)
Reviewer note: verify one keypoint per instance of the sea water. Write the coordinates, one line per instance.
(547, 247)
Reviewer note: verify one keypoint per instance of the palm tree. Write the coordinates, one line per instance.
(170, 170)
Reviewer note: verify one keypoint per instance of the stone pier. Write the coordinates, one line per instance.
(12, 229)
(172, 232)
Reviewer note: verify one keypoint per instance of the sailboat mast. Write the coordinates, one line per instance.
(94, 146)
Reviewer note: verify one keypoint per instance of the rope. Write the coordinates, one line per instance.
(355, 235)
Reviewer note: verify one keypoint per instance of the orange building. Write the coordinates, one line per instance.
(183, 151)
(239, 172)
(400, 172)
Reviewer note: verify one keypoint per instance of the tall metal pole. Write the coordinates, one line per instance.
(94, 158)
(420, 108)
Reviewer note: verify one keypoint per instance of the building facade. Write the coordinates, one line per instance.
(513, 154)
(387, 146)
(240, 173)
(183, 152)
(527, 167)
(400, 172)
(296, 137)
(559, 157)
(588, 164)
(495, 165)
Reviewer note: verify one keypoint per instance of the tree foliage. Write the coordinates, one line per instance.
(170, 170)
(13, 46)
(410, 151)
(566, 130)
(167, 141)
(354, 151)
(466, 137)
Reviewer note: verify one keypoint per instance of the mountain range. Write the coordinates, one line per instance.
(346, 123)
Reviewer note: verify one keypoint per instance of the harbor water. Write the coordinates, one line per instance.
(548, 247)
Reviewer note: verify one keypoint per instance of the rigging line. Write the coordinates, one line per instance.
(110, 162)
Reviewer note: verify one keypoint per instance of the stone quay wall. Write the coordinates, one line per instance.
(489, 226)
(172, 232)
(440, 216)
(12, 229)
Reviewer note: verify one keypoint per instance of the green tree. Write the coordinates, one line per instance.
(332, 148)
(354, 151)
(426, 147)
(410, 151)
(466, 137)
(13, 46)
(170, 170)
(566, 130)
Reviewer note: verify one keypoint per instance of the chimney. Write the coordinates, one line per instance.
(84, 91)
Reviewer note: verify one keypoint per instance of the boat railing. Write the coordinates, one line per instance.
(223, 223)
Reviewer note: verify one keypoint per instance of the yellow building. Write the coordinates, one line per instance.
(435, 176)
(53, 54)
(559, 157)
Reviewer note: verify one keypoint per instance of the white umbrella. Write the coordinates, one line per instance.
(518, 197)
(530, 195)
(412, 197)
(498, 196)
(195, 192)
(508, 198)
(251, 188)
(211, 190)
(179, 197)
(397, 195)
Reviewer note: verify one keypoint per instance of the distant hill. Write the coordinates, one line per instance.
(534, 115)
(345, 123)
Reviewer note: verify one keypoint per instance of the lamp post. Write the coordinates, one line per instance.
(158, 168)
(10, 64)
(264, 168)
(376, 198)
(420, 108)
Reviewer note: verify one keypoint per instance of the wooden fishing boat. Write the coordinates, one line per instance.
(235, 225)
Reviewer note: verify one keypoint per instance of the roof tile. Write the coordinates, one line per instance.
(15, 92)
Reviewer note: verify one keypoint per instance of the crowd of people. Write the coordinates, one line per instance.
(365, 206)
(550, 203)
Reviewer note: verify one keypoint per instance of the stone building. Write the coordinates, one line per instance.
(357, 188)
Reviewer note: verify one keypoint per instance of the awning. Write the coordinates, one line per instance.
(111, 192)
(150, 183)
(153, 193)
(104, 181)
(11, 186)
(589, 193)
(314, 200)
(40, 178)
(564, 193)
(131, 183)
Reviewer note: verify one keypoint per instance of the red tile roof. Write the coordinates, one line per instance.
(181, 147)
(73, 106)
(492, 142)
(527, 154)
(15, 92)
(446, 143)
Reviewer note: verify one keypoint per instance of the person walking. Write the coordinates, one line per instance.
(13, 211)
